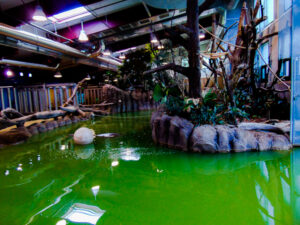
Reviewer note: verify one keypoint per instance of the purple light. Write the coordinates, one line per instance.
(9, 73)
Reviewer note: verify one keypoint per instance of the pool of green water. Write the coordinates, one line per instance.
(128, 180)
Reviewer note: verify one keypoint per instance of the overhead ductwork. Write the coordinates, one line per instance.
(24, 36)
(28, 65)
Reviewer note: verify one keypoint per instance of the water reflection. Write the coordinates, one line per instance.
(136, 182)
(84, 151)
(82, 213)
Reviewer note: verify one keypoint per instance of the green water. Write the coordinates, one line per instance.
(129, 180)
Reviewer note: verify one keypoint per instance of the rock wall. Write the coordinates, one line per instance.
(20, 134)
(178, 133)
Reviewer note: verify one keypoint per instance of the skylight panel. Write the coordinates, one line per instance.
(70, 15)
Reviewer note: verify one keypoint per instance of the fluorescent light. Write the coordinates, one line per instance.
(39, 14)
(21, 74)
(70, 15)
(30, 75)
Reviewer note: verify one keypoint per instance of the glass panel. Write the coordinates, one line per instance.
(295, 117)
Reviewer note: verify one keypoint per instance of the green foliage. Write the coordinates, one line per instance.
(136, 63)
(266, 102)
(209, 110)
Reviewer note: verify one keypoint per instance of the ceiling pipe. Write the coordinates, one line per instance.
(50, 44)
(28, 65)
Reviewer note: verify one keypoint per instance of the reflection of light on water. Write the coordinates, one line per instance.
(19, 168)
(129, 154)
(67, 190)
(263, 168)
(6, 173)
(95, 190)
(63, 147)
(61, 222)
(286, 190)
(266, 204)
(82, 213)
(114, 163)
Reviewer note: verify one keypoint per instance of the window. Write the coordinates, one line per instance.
(285, 68)
(261, 62)
(264, 73)
(268, 6)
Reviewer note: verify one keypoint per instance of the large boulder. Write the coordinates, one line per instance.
(204, 139)
(163, 131)
(84, 136)
(225, 136)
(244, 141)
(179, 133)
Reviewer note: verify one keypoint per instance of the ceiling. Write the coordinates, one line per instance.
(119, 24)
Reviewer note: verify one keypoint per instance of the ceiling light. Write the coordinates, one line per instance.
(160, 47)
(153, 39)
(21, 74)
(9, 73)
(201, 35)
(58, 75)
(106, 52)
(82, 36)
(122, 56)
(39, 14)
(30, 75)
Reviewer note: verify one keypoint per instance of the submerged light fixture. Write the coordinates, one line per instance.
(58, 75)
(39, 14)
(82, 36)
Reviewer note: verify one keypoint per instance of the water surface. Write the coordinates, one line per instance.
(128, 180)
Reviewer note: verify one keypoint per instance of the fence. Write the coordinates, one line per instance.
(36, 98)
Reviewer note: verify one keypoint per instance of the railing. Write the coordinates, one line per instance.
(36, 98)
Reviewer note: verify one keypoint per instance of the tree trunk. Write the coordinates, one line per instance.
(194, 50)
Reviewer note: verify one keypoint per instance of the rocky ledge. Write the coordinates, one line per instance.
(179, 133)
